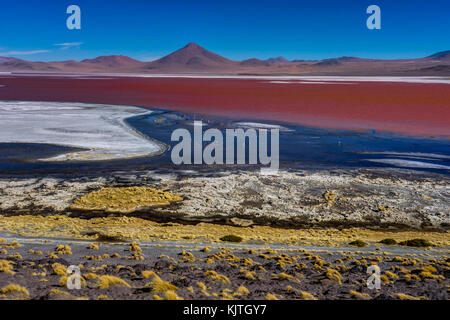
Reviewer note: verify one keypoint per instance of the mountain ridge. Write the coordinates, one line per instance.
(193, 58)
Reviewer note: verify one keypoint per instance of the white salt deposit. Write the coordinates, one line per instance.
(97, 128)
(257, 125)
(410, 164)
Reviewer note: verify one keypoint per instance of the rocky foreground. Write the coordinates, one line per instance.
(222, 235)
(41, 270)
(375, 199)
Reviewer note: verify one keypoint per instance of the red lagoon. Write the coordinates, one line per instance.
(408, 108)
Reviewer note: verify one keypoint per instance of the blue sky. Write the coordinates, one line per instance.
(147, 29)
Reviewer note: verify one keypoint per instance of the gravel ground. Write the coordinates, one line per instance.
(183, 270)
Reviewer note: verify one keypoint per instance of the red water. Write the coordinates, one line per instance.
(409, 108)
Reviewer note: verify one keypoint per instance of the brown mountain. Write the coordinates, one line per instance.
(14, 64)
(99, 64)
(277, 60)
(253, 62)
(194, 59)
(6, 59)
(113, 61)
(441, 56)
(328, 62)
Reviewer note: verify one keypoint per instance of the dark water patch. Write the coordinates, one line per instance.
(314, 148)
(25, 156)
(300, 148)
(31, 151)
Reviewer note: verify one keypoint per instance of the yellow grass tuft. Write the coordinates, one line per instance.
(391, 275)
(171, 295)
(15, 256)
(410, 277)
(148, 274)
(201, 285)
(14, 291)
(270, 296)
(93, 246)
(124, 199)
(35, 252)
(6, 267)
(157, 284)
(242, 291)
(334, 275)
(187, 256)
(60, 294)
(285, 276)
(63, 249)
(385, 279)
(107, 281)
(134, 247)
(91, 276)
(330, 197)
(289, 289)
(227, 294)
(216, 276)
(404, 296)
(12, 245)
(250, 275)
(359, 295)
(307, 296)
(59, 269)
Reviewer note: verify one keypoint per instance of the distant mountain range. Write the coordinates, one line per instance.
(194, 59)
